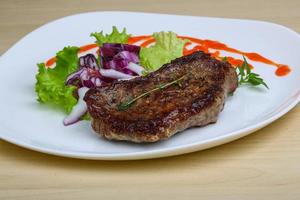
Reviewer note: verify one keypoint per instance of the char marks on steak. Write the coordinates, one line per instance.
(196, 101)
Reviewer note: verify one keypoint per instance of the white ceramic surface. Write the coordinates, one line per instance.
(26, 123)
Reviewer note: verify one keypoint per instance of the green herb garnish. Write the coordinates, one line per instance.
(224, 58)
(248, 77)
(125, 105)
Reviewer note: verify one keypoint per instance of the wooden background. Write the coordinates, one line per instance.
(264, 165)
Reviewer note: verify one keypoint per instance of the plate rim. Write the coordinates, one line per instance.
(158, 153)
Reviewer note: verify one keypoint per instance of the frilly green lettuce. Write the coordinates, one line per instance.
(114, 37)
(50, 85)
(166, 48)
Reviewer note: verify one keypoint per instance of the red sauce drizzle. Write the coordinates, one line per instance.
(135, 39)
(283, 70)
(87, 47)
(147, 42)
(216, 54)
(185, 49)
(50, 62)
(236, 62)
(201, 45)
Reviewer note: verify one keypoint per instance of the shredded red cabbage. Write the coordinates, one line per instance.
(91, 75)
(119, 61)
(88, 74)
(118, 56)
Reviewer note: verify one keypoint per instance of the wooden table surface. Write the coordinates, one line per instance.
(263, 165)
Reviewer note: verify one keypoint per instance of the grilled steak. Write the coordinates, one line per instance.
(196, 100)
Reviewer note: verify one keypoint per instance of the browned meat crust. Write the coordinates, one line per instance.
(197, 101)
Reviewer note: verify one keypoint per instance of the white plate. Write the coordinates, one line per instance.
(26, 123)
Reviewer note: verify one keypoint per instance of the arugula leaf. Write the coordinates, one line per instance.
(50, 86)
(166, 48)
(114, 37)
(246, 76)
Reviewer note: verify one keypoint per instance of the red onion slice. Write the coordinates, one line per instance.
(135, 68)
(74, 76)
(78, 110)
(111, 73)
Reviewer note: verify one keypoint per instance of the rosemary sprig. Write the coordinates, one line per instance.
(126, 104)
(246, 76)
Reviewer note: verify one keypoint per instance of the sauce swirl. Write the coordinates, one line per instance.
(206, 45)
(201, 45)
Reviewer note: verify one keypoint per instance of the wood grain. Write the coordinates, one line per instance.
(264, 165)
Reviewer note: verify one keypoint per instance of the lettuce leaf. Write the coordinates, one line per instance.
(114, 37)
(166, 48)
(50, 86)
